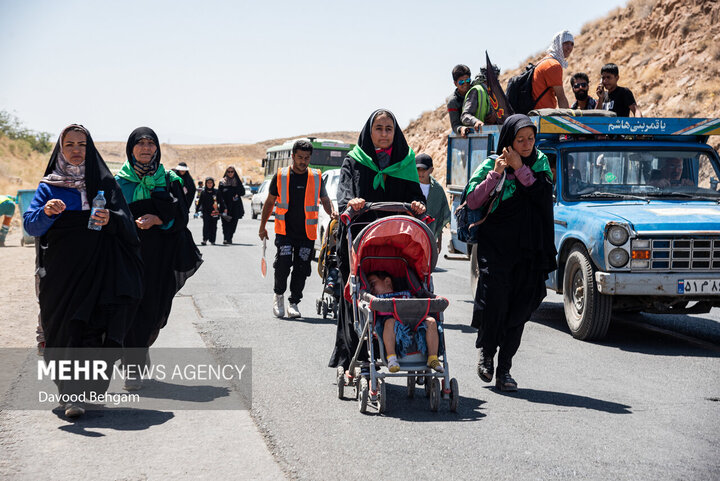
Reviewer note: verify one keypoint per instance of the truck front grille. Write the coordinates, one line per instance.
(679, 254)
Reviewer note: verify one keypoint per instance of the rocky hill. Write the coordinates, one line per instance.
(668, 52)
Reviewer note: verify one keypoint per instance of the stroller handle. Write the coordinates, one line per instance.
(398, 207)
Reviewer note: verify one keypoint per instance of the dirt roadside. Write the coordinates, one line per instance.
(19, 314)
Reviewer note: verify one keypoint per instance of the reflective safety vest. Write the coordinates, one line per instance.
(312, 198)
(483, 103)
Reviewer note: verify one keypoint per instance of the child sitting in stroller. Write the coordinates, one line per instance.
(381, 285)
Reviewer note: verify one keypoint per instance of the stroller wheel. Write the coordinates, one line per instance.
(318, 303)
(435, 394)
(324, 310)
(428, 386)
(341, 382)
(454, 395)
(382, 397)
(364, 395)
(411, 386)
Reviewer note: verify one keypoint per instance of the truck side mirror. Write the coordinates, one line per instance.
(714, 183)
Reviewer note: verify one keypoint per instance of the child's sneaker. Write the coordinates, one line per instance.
(393, 365)
(435, 364)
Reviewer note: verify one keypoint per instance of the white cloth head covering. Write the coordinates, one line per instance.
(555, 49)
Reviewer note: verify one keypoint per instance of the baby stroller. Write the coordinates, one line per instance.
(404, 247)
(329, 273)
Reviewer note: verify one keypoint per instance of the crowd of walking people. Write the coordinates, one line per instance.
(112, 285)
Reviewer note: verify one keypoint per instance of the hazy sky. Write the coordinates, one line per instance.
(237, 71)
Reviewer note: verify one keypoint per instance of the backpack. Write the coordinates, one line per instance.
(519, 91)
(468, 220)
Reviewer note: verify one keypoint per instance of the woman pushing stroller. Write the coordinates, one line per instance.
(381, 168)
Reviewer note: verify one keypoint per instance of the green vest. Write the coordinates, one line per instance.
(483, 104)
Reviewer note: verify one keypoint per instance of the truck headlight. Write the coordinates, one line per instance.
(618, 257)
(617, 235)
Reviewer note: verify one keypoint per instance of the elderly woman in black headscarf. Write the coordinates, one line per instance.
(157, 203)
(231, 190)
(380, 168)
(90, 281)
(515, 245)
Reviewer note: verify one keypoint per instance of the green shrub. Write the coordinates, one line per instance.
(11, 127)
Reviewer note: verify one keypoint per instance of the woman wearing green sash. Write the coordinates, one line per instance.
(157, 202)
(515, 246)
(380, 168)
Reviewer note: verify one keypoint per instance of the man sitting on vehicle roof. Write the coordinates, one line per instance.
(461, 79)
(476, 110)
(580, 84)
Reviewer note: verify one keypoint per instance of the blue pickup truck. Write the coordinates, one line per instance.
(637, 213)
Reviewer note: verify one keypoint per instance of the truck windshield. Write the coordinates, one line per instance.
(640, 173)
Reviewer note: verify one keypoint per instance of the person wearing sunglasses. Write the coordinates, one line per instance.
(476, 110)
(580, 84)
(462, 81)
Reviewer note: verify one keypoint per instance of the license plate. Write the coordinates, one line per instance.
(699, 286)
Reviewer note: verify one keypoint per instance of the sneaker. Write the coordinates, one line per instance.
(393, 364)
(73, 411)
(226, 242)
(436, 365)
(505, 382)
(293, 311)
(279, 306)
(203, 243)
(485, 365)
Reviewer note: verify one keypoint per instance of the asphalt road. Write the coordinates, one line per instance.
(641, 405)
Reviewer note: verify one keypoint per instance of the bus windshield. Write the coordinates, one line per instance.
(645, 173)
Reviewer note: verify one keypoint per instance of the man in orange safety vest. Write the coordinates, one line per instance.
(295, 192)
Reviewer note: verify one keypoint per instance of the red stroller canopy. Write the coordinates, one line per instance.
(396, 236)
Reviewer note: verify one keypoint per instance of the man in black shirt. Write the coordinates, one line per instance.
(618, 99)
(294, 195)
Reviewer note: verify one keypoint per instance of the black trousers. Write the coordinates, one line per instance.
(295, 254)
(228, 228)
(209, 227)
(506, 297)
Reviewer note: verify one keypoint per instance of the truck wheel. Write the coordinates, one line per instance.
(587, 311)
(474, 273)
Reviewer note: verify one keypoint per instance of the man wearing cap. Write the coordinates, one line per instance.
(188, 182)
(435, 198)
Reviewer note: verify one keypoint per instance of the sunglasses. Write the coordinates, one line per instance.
(580, 85)
(463, 82)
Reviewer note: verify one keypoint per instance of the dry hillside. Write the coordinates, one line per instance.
(211, 160)
(668, 52)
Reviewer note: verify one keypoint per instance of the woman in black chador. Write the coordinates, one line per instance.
(231, 190)
(380, 168)
(515, 247)
(209, 203)
(90, 280)
(169, 254)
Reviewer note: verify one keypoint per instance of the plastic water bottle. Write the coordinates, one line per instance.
(97, 203)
